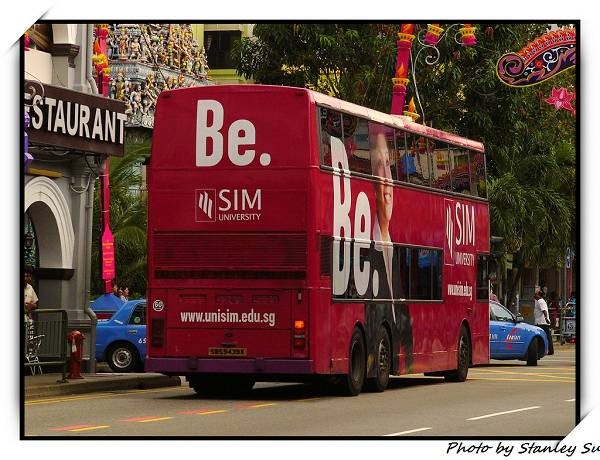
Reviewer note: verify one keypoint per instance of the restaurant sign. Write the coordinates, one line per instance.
(74, 120)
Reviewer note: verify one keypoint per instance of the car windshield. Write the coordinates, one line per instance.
(500, 313)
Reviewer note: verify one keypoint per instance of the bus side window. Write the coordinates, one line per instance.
(400, 156)
(461, 170)
(478, 174)
(356, 140)
(442, 176)
(425, 273)
(382, 151)
(401, 273)
(330, 126)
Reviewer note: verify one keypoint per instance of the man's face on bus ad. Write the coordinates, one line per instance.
(384, 192)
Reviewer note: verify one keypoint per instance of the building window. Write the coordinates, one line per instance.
(218, 46)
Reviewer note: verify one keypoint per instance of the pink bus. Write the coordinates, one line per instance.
(293, 236)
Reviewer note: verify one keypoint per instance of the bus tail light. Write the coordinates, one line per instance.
(158, 332)
(299, 334)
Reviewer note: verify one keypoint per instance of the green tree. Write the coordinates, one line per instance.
(530, 147)
(354, 62)
(128, 220)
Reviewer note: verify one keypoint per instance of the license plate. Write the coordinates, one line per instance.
(225, 352)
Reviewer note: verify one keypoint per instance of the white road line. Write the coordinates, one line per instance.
(505, 412)
(408, 432)
(570, 400)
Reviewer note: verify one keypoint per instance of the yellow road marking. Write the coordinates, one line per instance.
(521, 380)
(307, 399)
(158, 419)
(210, 412)
(255, 406)
(92, 396)
(550, 375)
(89, 428)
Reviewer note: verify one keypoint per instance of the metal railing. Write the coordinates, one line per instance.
(46, 340)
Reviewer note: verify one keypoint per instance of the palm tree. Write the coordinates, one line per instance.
(127, 219)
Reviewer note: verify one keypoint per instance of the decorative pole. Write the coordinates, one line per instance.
(100, 61)
(400, 80)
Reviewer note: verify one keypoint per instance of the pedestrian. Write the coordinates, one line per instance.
(116, 289)
(31, 300)
(542, 318)
(124, 293)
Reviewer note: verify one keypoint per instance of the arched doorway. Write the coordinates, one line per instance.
(48, 213)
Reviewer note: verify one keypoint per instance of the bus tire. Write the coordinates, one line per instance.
(463, 358)
(532, 353)
(382, 361)
(353, 381)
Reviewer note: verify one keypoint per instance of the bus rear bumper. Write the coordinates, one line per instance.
(182, 366)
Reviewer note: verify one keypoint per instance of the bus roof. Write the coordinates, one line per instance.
(399, 121)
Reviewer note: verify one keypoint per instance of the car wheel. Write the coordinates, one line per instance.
(532, 353)
(463, 359)
(383, 361)
(353, 381)
(123, 357)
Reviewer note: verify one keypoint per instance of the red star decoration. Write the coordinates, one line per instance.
(561, 99)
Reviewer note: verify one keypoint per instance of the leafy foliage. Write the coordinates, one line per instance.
(128, 221)
(530, 147)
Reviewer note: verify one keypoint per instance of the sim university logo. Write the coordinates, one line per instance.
(205, 205)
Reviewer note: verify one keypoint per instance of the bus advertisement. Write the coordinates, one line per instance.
(293, 236)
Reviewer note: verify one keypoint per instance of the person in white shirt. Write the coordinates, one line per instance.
(31, 298)
(542, 318)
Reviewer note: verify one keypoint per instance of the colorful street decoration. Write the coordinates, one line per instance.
(427, 39)
(561, 99)
(540, 60)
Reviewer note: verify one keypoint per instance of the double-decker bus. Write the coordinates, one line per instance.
(292, 236)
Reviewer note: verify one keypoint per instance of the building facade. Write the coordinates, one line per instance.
(71, 132)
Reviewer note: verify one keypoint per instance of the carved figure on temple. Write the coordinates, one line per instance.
(203, 62)
(136, 101)
(118, 86)
(113, 46)
(135, 53)
(147, 105)
(123, 44)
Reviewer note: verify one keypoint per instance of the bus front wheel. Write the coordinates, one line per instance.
(383, 361)
(353, 381)
(462, 360)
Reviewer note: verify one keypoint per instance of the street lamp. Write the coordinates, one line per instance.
(29, 239)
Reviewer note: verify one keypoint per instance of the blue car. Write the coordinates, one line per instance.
(511, 338)
(106, 305)
(121, 340)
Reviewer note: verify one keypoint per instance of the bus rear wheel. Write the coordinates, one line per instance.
(353, 381)
(462, 360)
(383, 362)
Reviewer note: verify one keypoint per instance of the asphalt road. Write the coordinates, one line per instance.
(505, 398)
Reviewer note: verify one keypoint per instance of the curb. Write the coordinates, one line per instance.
(141, 381)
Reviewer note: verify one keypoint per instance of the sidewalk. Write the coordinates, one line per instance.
(46, 385)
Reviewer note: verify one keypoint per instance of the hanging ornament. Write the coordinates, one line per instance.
(432, 37)
(467, 33)
(561, 99)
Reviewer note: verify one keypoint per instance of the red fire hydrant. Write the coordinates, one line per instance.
(75, 339)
